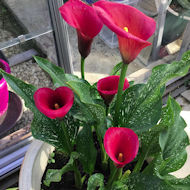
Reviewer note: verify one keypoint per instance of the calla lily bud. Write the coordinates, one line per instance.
(108, 87)
(85, 20)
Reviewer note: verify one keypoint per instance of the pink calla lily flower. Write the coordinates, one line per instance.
(4, 93)
(108, 86)
(87, 23)
(4, 96)
(121, 145)
(54, 103)
(133, 28)
(5, 66)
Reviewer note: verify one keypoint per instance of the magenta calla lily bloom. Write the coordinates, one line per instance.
(4, 96)
(133, 28)
(54, 103)
(108, 87)
(87, 23)
(4, 93)
(121, 145)
(5, 66)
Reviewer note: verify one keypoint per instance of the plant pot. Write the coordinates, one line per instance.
(175, 24)
(12, 115)
(36, 160)
(34, 165)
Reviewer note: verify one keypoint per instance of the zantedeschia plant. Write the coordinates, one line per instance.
(107, 130)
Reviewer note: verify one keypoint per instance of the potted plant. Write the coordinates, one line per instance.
(177, 17)
(107, 130)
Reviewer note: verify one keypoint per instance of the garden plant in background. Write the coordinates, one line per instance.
(120, 123)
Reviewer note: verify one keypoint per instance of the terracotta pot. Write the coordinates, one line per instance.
(36, 160)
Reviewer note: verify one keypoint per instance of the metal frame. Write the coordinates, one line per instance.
(11, 158)
(24, 38)
(61, 36)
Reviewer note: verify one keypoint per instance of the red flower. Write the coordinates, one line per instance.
(108, 86)
(4, 96)
(5, 66)
(87, 23)
(54, 103)
(4, 93)
(121, 145)
(132, 27)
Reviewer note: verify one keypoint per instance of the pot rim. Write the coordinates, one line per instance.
(35, 158)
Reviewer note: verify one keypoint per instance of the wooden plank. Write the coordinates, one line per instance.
(14, 138)
(22, 57)
(8, 159)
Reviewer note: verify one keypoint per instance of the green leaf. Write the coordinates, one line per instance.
(141, 106)
(55, 175)
(96, 180)
(179, 184)
(57, 74)
(42, 128)
(82, 90)
(85, 146)
(50, 131)
(146, 182)
(174, 154)
(118, 185)
(116, 69)
(24, 90)
(143, 116)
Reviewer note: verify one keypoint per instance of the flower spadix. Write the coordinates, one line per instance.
(133, 28)
(54, 103)
(121, 145)
(108, 87)
(4, 93)
(87, 23)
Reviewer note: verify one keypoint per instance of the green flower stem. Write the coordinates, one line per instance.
(107, 109)
(104, 157)
(119, 93)
(78, 181)
(115, 175)
(141, 160)
(82, 67)
(66, 136)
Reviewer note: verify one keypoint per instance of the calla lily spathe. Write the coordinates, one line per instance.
(4, 93)
(108, 87)
(121, 145)
(86, 21)
(133, 28)
(4, 96)
(5, 66)
(54, 103)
